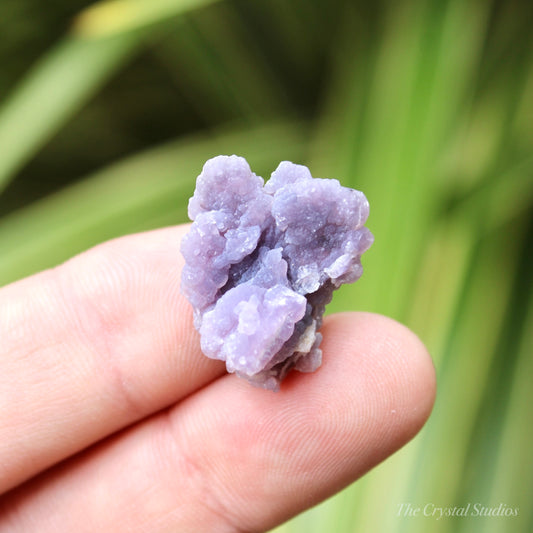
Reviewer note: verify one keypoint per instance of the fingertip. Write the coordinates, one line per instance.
(393, 364)
(321, 431)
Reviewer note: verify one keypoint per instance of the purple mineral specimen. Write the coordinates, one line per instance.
(262, 262)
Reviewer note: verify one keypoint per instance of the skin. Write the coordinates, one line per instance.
(112, 420)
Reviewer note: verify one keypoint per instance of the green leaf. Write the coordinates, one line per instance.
(72, 72)
(113, 17)
(56, 87)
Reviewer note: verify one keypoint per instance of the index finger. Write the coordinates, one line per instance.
(90, 347)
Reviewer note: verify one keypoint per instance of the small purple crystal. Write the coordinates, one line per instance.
(263, 260)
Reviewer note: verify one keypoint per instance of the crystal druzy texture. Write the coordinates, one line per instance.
(262, 262)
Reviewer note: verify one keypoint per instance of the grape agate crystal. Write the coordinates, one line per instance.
(262, 261)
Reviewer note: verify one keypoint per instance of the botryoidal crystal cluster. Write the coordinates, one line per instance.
(262, 261)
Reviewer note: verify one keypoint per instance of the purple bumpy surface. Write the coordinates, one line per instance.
(262, 262)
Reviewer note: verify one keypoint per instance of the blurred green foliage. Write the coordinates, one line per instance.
(108, 111)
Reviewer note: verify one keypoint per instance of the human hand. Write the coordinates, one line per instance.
(112, 420)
